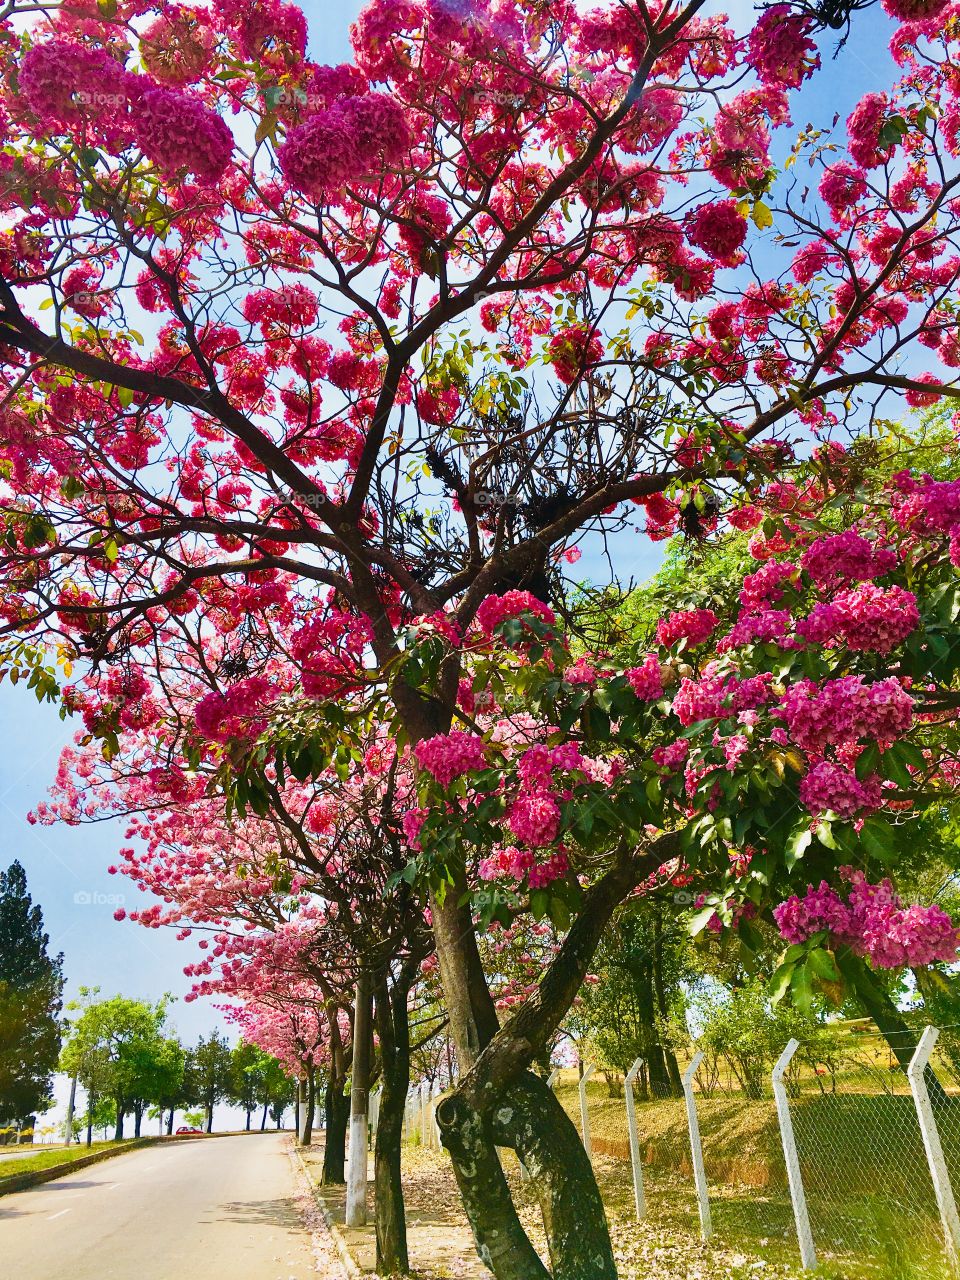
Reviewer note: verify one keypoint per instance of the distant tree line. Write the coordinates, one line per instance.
(122, 1054)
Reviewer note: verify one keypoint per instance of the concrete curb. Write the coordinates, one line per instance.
(353, 1271)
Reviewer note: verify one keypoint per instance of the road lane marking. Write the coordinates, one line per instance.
(58, 1215)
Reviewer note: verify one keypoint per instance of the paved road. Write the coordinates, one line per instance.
(214, 1208)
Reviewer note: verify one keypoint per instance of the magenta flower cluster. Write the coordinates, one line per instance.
(349, 142)
(872, 922)
(867, 618)
(693, 625)
(450, 755)
(829, 787)
(845, 711)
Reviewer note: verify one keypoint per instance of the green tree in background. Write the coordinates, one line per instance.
(209, 1074)
(31, 987)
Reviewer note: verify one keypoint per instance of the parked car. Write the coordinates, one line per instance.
(185, 1128)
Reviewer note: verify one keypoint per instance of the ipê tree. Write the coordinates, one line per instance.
(560, 175)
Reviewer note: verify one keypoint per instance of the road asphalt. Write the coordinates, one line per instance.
(207, 1209)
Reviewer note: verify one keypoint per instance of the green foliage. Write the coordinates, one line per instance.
(31, 983)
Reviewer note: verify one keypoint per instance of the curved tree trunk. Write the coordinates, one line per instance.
(901, 1038)
(528, 1118)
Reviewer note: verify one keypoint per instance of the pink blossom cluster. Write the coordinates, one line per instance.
(646, 680)
(346, 143)
(927, 505)
(716, 697)
(766, 626)
(534, 818)
(845, 711)
(766, 586)
(867, 618)
(872, 922)
(673, 756)
(779, 47)
(719, 229)
(238, 712)
(179, 133)
(535, 767)
(450, 755)
(521, 864)
(829, 787)
(693, 625)
(64, 82)
(846, 557)
(512, 604)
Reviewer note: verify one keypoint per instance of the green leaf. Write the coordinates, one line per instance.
(780, 982)
(801, 988)
(823, 965)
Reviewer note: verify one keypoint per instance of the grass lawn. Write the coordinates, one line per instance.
(43, 1157)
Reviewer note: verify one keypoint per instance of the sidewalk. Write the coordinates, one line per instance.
(439, 1241)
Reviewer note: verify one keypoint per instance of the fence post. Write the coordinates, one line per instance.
(424, 1114)
(696, 1148)
(635, 1140)
(808, 1254)
(552, 1077)
(916, 1074)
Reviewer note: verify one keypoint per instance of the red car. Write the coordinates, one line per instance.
(186, 1129)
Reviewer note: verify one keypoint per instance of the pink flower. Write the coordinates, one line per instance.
(830, 787)
(180, 134)
(497, 609)
(845, 557)
(580, 672)
(845, 711)
(718, 229)
(535, 818)
(450, 755)
(646, 680)
(238, 712)
(346, 143)
(573, 350)
(779, 47)
(693, 625)
(867, 618)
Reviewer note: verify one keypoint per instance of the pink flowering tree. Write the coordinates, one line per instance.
(242, 390)
(289, 907)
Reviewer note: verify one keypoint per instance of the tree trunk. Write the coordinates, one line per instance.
(249, 1114)
(308, 1100)
(393, 1032)
(118, 1132)
(209, 1117)
(170, 1121)
(527, 1117)
(263, 1118)
(137, 1119)
(337, 1111)
(901, 1038)
(356, 1213)
(91, 1107)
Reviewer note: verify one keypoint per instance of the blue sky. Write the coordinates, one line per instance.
(66, 867)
